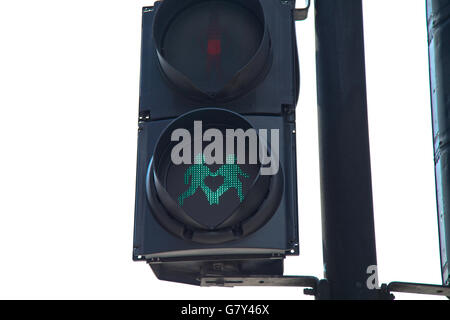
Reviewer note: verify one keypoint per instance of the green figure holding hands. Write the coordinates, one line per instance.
(230, 172)
(199, 171)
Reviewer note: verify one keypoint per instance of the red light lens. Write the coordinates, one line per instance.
(214, 47)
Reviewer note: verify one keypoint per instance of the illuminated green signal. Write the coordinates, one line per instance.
(230, 171)
(199, 171)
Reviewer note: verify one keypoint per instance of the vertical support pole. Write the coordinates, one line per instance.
(438, 13)
(346, 183)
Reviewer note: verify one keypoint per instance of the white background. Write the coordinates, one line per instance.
(69, 87)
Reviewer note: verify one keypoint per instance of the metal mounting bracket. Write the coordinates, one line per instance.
(418, 288)
(301, 14)
(317, 288)
(312, 285)
(268, 281)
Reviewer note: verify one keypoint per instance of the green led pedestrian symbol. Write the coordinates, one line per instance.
(199, 171)
(230, 171)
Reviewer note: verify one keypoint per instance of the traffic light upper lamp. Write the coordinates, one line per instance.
(212, 50)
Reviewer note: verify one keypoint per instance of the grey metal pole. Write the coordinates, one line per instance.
(347, 207)
(438, 13)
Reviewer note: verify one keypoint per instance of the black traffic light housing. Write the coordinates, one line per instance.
(258, 87)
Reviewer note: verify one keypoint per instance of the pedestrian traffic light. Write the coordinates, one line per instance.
(216, 191)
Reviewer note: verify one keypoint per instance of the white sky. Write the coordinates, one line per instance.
(69, 79)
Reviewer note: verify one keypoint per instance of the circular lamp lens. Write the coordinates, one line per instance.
(212, 50)
(206, 200)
